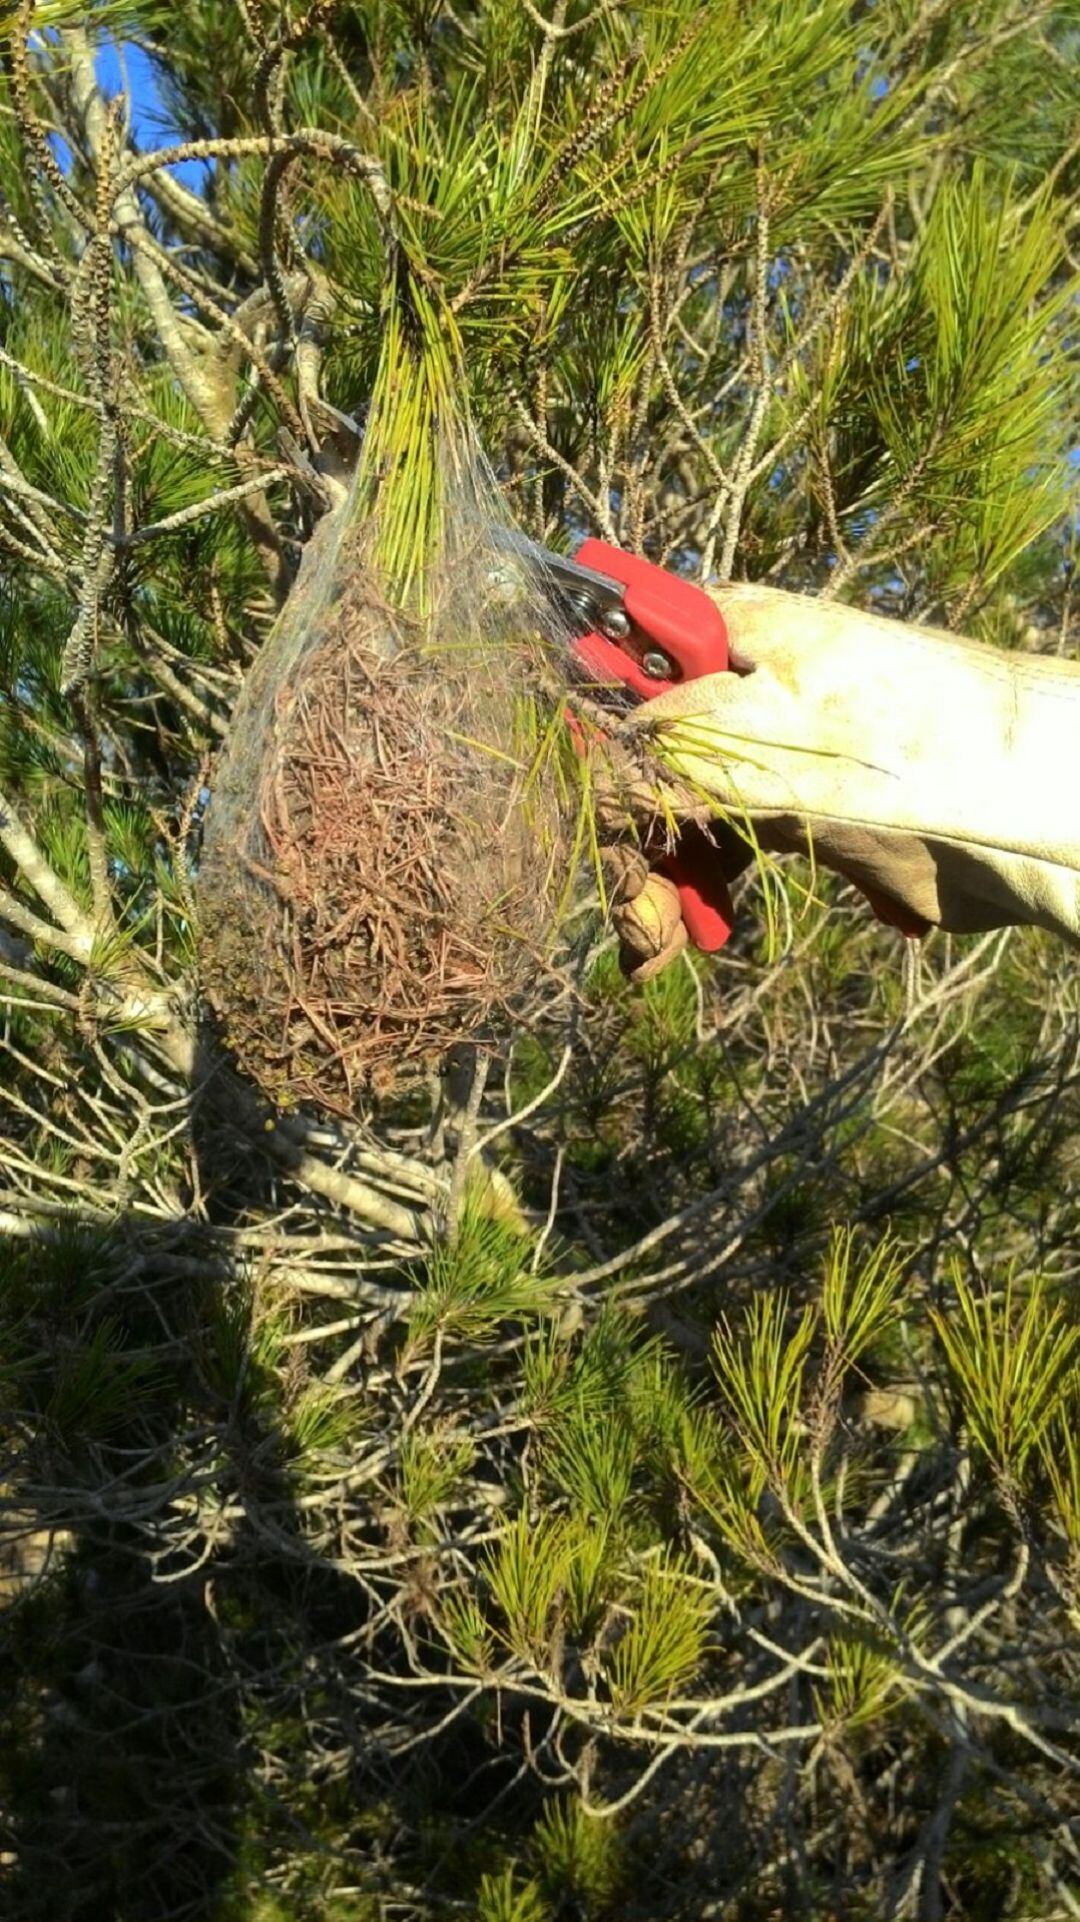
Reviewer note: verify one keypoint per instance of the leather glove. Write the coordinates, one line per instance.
(939, 775)
(645, 911)
(647, 887)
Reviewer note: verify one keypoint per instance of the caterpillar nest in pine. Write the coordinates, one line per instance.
(387, 846)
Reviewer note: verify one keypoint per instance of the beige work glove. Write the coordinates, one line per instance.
(940, 775)
(645, 911)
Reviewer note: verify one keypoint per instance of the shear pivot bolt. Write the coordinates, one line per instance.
(614, 624)
(657, 666)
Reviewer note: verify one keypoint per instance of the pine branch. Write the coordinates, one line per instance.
(47, 885)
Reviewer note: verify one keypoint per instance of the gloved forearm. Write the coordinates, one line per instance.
(935, 772)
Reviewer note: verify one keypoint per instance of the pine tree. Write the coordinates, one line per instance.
(636, 1475)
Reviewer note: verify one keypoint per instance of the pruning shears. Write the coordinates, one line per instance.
(637, 628)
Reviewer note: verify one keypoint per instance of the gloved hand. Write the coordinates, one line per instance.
(940, 775)
(648, 884)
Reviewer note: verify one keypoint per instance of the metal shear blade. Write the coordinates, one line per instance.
(632, 625)
(587, 597)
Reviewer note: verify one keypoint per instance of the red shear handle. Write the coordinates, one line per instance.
(673, 617)
(697, 871)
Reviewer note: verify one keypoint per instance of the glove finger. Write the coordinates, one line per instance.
(626, 872)
(638, 971)
(650, 927)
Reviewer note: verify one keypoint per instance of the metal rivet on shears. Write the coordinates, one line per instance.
(657, 666)
(615, 624)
